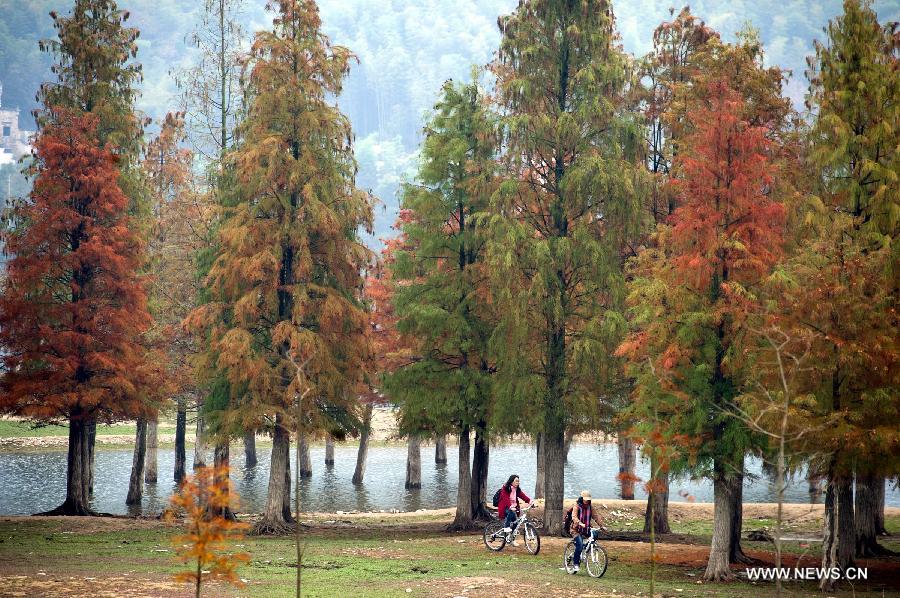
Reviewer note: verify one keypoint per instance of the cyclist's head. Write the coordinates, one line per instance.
(586, 496)
(512, 481)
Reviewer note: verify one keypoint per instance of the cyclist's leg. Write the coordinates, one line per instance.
(579, 545)
(510, 518)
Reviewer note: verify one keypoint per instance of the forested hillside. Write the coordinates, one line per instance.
(406, 49)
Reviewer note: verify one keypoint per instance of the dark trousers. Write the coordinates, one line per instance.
(510, 517)
(579, 544)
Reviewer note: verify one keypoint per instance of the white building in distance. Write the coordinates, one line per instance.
(14, 142)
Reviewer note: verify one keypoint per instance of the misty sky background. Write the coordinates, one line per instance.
(406, 50)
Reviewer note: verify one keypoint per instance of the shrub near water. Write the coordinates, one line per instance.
(204, 498)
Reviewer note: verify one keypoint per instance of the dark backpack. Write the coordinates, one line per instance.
(567, 522)
(497, 498)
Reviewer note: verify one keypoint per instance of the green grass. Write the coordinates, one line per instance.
(373, 561)
(20, 429)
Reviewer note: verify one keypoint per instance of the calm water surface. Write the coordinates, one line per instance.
(31, 482)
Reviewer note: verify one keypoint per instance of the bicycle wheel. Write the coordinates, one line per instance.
(532, 538)
(569, 557)
(494, 538)
(596, 561)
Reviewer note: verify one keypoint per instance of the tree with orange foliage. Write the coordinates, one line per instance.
(721, 241)
(205, 546)
(73, 308)
(286, 281)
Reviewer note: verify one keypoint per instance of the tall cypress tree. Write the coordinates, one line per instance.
(855, 96)
(560, 217)
(287, 277)
(442, 288)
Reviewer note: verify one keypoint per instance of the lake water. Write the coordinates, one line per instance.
(31, 482)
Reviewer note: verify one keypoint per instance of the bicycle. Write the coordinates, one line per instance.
(593, 556)
(495, 538)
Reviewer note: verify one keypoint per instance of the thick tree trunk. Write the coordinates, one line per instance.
(413, 463)
(200, 448)
(838, 543)
(656, 516)
(180, 432)
(77, 466)
(865, 516)
(250, 459)
(879, 508)
(736, 507)
(440, 449)
(150, 470)
(136, 483)
(329, 451)
(305, 465)
(463, 518)
(717, 568)
(361, 455)
(539, 468)
(554, 479)
(480, 463)
(286, 510)
(273, 520)
(627, 457)
(90, 430)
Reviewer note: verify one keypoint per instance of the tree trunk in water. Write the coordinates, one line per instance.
(838, 543)
(180, 431)
(250, 448)
(360, 471)
(656, 516)
(539, 476)
(305, 465)
(273, 520)
(136, 483)
(413, 463)
(554, 478)
(717, 567)
(815, 487)
(90, 429)
(879, 508)
(865, 515)
(440, 449)
(329, 451)
(626, 466)
(77, 466)
(222, 458)
(152, 445)
(200, 448)
(463, 518)
(736, 508)
(480, 461)
(570, 437)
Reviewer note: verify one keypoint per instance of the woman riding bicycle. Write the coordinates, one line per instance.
(582, 514)
(508, 506)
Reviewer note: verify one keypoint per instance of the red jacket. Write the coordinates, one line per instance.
(506, 502)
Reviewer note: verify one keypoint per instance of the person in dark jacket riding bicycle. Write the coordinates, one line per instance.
(508, 506)
(582, 515)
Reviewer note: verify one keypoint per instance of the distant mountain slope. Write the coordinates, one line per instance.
(406, 48)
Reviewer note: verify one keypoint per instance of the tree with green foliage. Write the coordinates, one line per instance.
(213, 100)
(855, 98)
(441, 289)
(569, 200)
(287, 278)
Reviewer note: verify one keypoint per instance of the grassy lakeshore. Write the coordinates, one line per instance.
(388, 555)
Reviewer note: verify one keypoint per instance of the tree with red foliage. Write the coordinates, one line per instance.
(73, 308)
(691, 294)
